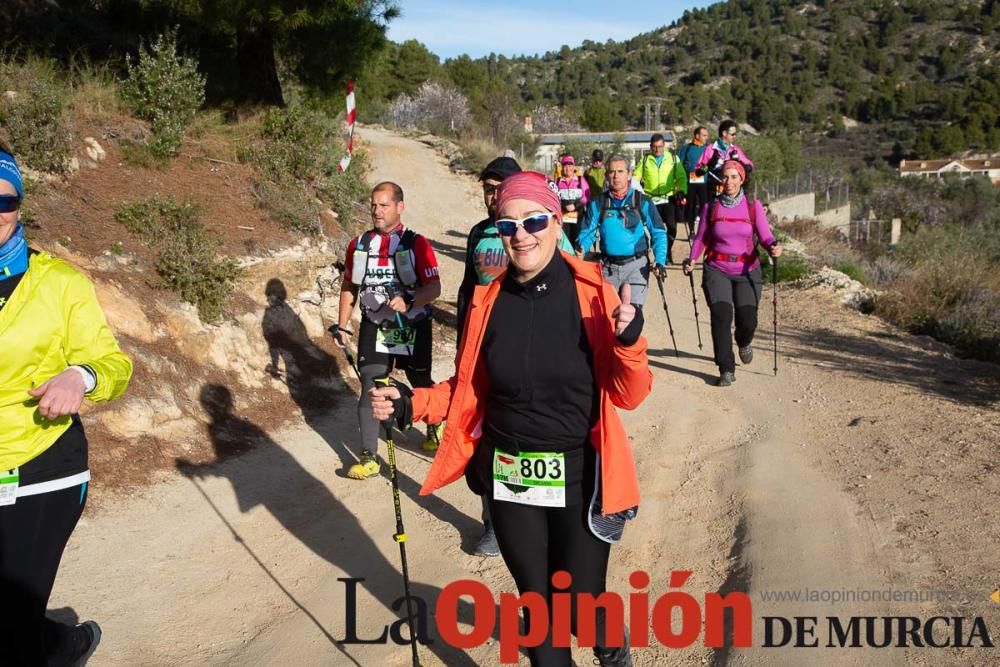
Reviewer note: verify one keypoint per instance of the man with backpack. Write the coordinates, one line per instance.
(393, 273)
(697, 193)
(623, 216)
(595, 173)
(665, 182)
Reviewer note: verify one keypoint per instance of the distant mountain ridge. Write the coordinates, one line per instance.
(926, 73)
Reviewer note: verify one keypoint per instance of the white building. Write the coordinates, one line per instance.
(989, 167)
(635, 143)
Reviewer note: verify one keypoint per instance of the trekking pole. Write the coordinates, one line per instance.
(694, 300)
(400, 535)
(774, 299)
(335, 332)
(659, 282)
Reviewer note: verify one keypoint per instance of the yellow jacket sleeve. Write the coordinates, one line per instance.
(89, 342)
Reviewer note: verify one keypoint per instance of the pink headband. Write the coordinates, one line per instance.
(532, 186)
(738, 166)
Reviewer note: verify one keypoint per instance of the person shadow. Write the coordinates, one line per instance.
(307, 509)
(311, 374)
(313, 379)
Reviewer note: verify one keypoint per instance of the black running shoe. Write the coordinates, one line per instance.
(726, 378)
(487, 545)
(746, 354)
(88, 637)
(613, 657)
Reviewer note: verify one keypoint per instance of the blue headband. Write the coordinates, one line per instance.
(9, 171)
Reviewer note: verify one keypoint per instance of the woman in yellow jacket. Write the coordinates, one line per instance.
(56, 349)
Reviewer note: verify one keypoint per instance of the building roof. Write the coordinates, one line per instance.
(934, 166)
(603, 137)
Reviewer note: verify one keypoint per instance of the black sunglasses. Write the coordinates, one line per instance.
(9, 203)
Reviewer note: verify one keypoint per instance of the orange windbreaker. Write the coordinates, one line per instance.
(622, 374)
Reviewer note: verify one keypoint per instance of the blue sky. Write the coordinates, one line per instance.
(518, 27)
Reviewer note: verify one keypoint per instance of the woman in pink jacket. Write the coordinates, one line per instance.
(574, 193)
(731, 228)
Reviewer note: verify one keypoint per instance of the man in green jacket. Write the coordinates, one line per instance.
(665, 182)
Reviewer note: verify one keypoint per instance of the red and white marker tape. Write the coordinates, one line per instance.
(352, 116)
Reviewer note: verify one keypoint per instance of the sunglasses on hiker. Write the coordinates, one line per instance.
(532, 224)
(9, 203)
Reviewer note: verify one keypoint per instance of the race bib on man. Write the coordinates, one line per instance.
(532, 478)
(398, 341)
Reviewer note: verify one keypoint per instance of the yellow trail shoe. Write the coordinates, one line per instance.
(366, 466)
(434, 434)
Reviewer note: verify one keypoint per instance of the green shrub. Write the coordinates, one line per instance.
(849, 268)
(290, 205)
(188, 259)
(165, 89)
(950, 288)
(155, 218)
(790, 267)
(295, 154)
(34, 115)
(189, 264)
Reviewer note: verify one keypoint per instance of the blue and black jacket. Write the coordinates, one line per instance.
(622, 225)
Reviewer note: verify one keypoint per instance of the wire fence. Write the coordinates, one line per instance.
(868, 232)
(830, 192)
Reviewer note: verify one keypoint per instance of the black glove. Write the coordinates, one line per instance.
(402, 407)
(633, 330)
(338, 333)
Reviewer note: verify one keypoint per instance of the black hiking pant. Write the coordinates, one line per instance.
(727, 295)
(535, 542)
(668, 214)
(374, 364)
(33, 535)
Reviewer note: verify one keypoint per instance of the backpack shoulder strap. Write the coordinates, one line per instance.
(605, 205)
(407, 240)
(365, 240)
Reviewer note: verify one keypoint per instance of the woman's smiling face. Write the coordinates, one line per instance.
(529, 253)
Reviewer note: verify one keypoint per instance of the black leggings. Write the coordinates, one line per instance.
(373, 364)
(697, 196)
(668, 214)
(33, 534)
(535, 542)
(724, 294)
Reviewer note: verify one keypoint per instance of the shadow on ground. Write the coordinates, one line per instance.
(895, 360)
(308, 510)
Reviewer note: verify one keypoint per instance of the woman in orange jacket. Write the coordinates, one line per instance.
(549, 350)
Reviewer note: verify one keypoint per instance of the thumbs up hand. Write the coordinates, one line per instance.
(625, 313)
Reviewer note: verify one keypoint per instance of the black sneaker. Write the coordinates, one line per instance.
(487, 545)
(726, 378)
(88, 637)
(746, 354)
(619, 656)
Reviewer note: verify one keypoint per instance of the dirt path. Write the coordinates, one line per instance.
(821, 478)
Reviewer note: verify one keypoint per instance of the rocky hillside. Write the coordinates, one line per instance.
(268, 336)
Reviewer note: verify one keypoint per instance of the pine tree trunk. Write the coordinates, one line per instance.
(258, 81)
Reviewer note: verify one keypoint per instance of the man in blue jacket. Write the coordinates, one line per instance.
(697, 192)
(622, 216)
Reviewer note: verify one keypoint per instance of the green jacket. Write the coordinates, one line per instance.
(664, 181)
(51, 321)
